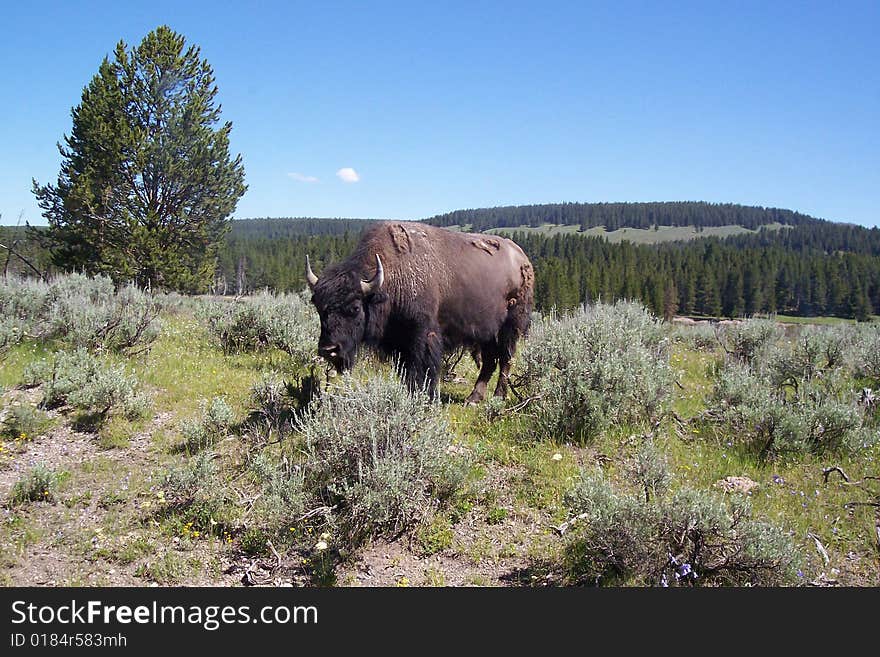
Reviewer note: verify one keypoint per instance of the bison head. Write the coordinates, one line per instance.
(344, 302)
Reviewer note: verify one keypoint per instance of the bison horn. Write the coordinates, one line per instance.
(377, 280)
(310, 275)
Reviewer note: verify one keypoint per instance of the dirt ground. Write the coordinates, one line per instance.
(98, 530)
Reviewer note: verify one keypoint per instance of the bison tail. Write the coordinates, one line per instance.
(520, 313)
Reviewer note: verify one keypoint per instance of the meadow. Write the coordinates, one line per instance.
(655, 235)
(169, 440)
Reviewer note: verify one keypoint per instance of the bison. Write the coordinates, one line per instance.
(412, 291)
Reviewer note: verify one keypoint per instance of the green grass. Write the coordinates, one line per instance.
(693, 370)
(514, 491)
(819, 321)
(14, 361)
(186, 366)
(791, 492)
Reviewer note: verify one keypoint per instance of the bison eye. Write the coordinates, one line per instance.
(353, 309)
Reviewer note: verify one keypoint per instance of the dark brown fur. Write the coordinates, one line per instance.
(442, 289)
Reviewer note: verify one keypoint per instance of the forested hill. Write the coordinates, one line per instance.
(284, 227)
(812, 267)
(614, 216)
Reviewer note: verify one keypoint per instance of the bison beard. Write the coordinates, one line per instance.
(411, 291)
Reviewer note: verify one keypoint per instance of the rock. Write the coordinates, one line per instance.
(736, 485)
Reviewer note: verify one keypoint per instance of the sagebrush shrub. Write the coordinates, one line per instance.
(274, 403)
(282, 500)
(748, 340)
(379, 455)
(213, 423)
(37, 485)
(284, 321)
(24, 422)
(599, 366)
(194, 492)
(797, 397)
(175, 303)
(698, 336)
(688, 536)
(23, 298)
(87, 383)
(813, 352)
(865, 352)
(81, 311)
(12, 331)
(649, 468)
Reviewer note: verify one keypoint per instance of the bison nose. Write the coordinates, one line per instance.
(328, 350)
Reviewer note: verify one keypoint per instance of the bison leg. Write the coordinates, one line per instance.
(506, 350)
(490, 359)
(422, 363)
(503, 372)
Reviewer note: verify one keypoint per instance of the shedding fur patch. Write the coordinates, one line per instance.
(528, 275)
(400, 238)
(490, 246)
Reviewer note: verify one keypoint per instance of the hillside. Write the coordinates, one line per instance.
(654, 235)
(614, 216)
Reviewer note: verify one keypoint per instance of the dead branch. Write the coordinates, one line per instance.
(13, 252)
(827, 472)
(820, 548)
(568, 524)
(716, 328)
(251, 578)
(521, 405)
(315, 512)
(277, 556)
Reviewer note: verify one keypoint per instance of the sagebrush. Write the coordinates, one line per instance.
(688, 537)
(380, 457)
(603, 365)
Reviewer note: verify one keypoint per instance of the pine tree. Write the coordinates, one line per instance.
(146, 182)
(732, 303)
(670, 301)
(709, 298)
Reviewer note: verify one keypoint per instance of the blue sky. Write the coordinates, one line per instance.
(442, 106)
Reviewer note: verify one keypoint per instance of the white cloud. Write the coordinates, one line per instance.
(299, 177)
(348, 175)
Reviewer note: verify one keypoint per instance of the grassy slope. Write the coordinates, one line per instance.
(103, 529)
(636, 235)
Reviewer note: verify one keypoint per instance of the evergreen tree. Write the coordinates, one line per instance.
(732, 303)
(709, 296)
(859, 307)
(146, 182)
(670, 301)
